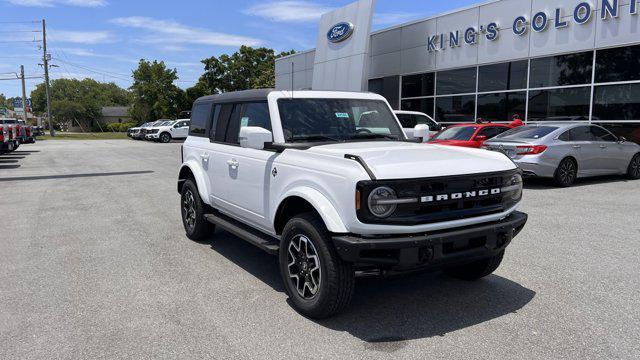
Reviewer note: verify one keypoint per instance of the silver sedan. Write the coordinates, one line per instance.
(567, 151)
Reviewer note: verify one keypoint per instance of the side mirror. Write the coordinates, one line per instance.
(622, 140)
(481, 138)
(254, 137)
(421, 131)
(437, 127)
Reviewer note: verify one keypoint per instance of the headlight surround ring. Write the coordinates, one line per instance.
(378, 194)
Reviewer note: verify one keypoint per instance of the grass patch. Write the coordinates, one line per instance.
(85, 136)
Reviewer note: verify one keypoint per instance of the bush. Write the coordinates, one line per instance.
(119, 127)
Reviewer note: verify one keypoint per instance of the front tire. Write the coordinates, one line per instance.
(476, 270)
(318, 282)
(192, 208)
(634, 168)
(566, 173)
(165, 138)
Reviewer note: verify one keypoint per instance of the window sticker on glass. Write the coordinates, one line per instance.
(342, 115)
(244, 122)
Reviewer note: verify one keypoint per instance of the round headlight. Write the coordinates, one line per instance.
(516, 183)
(377, 204)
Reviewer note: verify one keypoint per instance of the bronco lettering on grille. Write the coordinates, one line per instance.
(461, 195)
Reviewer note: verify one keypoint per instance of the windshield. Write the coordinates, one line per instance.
(527, 132)
(463, 133)
(167, 123)
(337, 120)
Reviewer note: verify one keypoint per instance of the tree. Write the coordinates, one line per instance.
(154, 94)
(248, 68)
(85, 97)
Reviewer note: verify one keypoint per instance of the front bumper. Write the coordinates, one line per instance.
(436, 249)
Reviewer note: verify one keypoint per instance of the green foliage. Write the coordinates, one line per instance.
(154, 94)
(248, 68)
(78, 100)
(119, 127)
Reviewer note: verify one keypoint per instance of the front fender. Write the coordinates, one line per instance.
(320, 203)
(202, 180)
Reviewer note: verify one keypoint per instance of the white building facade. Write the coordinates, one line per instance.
(540, 60)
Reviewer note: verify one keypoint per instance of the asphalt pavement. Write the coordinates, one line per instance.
(94, 264)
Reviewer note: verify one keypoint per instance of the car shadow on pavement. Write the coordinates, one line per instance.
(7, 161)
(542, 183)
(7, 167)
(9, 157)
(386, 311)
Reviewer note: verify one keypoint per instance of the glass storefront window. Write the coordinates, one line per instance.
(559, 104)
(506, 76)
(571, 69)
(418, 85)
(619, 64)
(502, 107)
(616, 102)
(455, 109)
(421, 105)
(631, 132)
(460, 81)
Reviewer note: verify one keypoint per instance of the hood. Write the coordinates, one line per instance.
(403, 160)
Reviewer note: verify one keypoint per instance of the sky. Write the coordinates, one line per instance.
(105, 39)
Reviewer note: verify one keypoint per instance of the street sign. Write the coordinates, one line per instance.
(17, 103)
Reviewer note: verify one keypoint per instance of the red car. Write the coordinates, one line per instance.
(471, 135)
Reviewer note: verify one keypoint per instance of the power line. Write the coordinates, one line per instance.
(20, 41)
(20, 31)
(20, 22)
(95, 71)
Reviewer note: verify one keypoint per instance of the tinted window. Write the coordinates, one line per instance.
(566, 136)
(233, 127)
(502, 107)
(600, 134)
(617, 102)
(226, 110)
(406, 120)
(507, 76)
(214, 122)
(456, 81)
(463, 133)
(581, 133)
(527, 132)
(491, 132)
(620, 64)
(559, 104)
(455, 109)
(418, 85)
(572, 69)
(256, 114)
(420, 105)
(199, 119)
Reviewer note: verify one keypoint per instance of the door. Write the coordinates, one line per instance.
(241, 176)
(586, 151)
(180, 130)
(612, 158)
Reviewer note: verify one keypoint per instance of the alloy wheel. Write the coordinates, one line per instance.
(165, 138)
(189, 209)
(635, 166)
(304, 267)
(567, 172)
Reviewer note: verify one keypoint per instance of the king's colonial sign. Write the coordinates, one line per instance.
(541, 21)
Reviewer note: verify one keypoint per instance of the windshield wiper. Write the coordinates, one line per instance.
(374, 136)
(315, 138)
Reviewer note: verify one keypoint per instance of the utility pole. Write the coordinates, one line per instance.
(46, 76)
(24, 96)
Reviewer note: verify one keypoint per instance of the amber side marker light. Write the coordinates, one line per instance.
(357, 199)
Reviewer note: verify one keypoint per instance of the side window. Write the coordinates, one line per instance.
(199, 119)
(566, 136)
(214, 121)
(255, 114)
(600, 134)
(233, 127)
(226, 111)
(581, 133)
(489, 132)
(407, 121)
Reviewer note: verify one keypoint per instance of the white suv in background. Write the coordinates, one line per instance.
(178, 129)
(411, 119)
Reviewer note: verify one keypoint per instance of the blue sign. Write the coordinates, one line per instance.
(340, 32)
(17, 103)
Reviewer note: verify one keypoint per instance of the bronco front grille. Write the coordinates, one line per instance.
(430, 209)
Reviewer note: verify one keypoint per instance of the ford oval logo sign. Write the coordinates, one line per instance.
(340, 32)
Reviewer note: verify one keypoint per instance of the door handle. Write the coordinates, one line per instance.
(603, 146)
(205, 156)
(577, 147)
(233, 163)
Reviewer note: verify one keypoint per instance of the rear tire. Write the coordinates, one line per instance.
(192, 208)
(319, 283)
(476, 270)
(633, 172)
(566, 173)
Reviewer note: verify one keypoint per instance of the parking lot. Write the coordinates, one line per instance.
(95, 264)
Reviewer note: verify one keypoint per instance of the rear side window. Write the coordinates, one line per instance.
(581, 133)
(407, 121)
(234, 117)
(200, 116)
(491, 132)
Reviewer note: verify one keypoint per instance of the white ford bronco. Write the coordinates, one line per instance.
(329, 183)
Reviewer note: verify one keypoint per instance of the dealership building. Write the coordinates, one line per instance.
(540, 60)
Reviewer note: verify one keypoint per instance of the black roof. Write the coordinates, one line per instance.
(245, 95)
